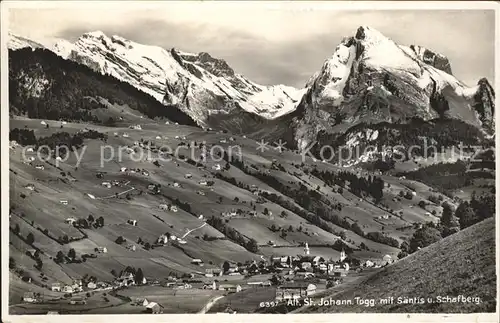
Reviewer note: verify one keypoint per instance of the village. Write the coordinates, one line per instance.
(291, 278)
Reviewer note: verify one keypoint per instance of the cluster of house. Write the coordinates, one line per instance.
(134, 171)
(294, 291)
(233, 213)
(76, 286)
(150, 307)
(167, 207)
(109, 184)
(127, 279)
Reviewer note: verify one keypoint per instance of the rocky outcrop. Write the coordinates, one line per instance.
(371, 79)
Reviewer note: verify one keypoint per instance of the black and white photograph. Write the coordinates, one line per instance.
(213, 157)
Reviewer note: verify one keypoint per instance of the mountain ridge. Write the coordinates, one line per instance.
(368, 78)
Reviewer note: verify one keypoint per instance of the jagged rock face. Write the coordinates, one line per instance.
(434, 59)
(371, 79)
(368, 79)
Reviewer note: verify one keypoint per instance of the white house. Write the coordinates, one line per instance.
(56, 287)
(67, 289)
(41, 167)
(125, 135)
(216, 167)
(163, 239)
(164, 207)
(188, 175)
(158, 137)
(102, 249)
(43, 123)
(91, 285)
(29, 150)
(196, 261)
(30, 187)
(132, 222)
(230, 288)
(29, 297)
(71, 220)
(203, 182)
(176, 184)
(123, 169)
(106, 184)
(173, 208)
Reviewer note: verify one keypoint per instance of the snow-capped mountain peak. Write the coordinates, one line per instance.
(198, 84)
(370, 78)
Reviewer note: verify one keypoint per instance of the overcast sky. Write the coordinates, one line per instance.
(274, 45)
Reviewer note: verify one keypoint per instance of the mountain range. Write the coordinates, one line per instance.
(369, 79)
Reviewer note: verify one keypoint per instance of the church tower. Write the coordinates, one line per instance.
(342, 255)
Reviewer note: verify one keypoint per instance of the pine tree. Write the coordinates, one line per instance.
(139, 276)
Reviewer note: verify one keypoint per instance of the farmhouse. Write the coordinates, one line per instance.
(387, 259)
(106, 184)
(173, 208)
(41, 167)
(232, 288)
(197, 261)
(210, 272)
(64, 202)
(369, 263)
(29, 297)
(102, 249)
(188, 175)
(210, 286)
(153, 308)
(125, 135)
(132, 222)
(163, 239)
(258, 282)
(295, 291)
(77, 301)
(203, 182)
(56, 287)
(164, 207)
(67, 289)
(141, 302)
(71, 220)
(91, 285)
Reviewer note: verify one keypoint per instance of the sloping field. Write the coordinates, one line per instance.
(462, 265)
